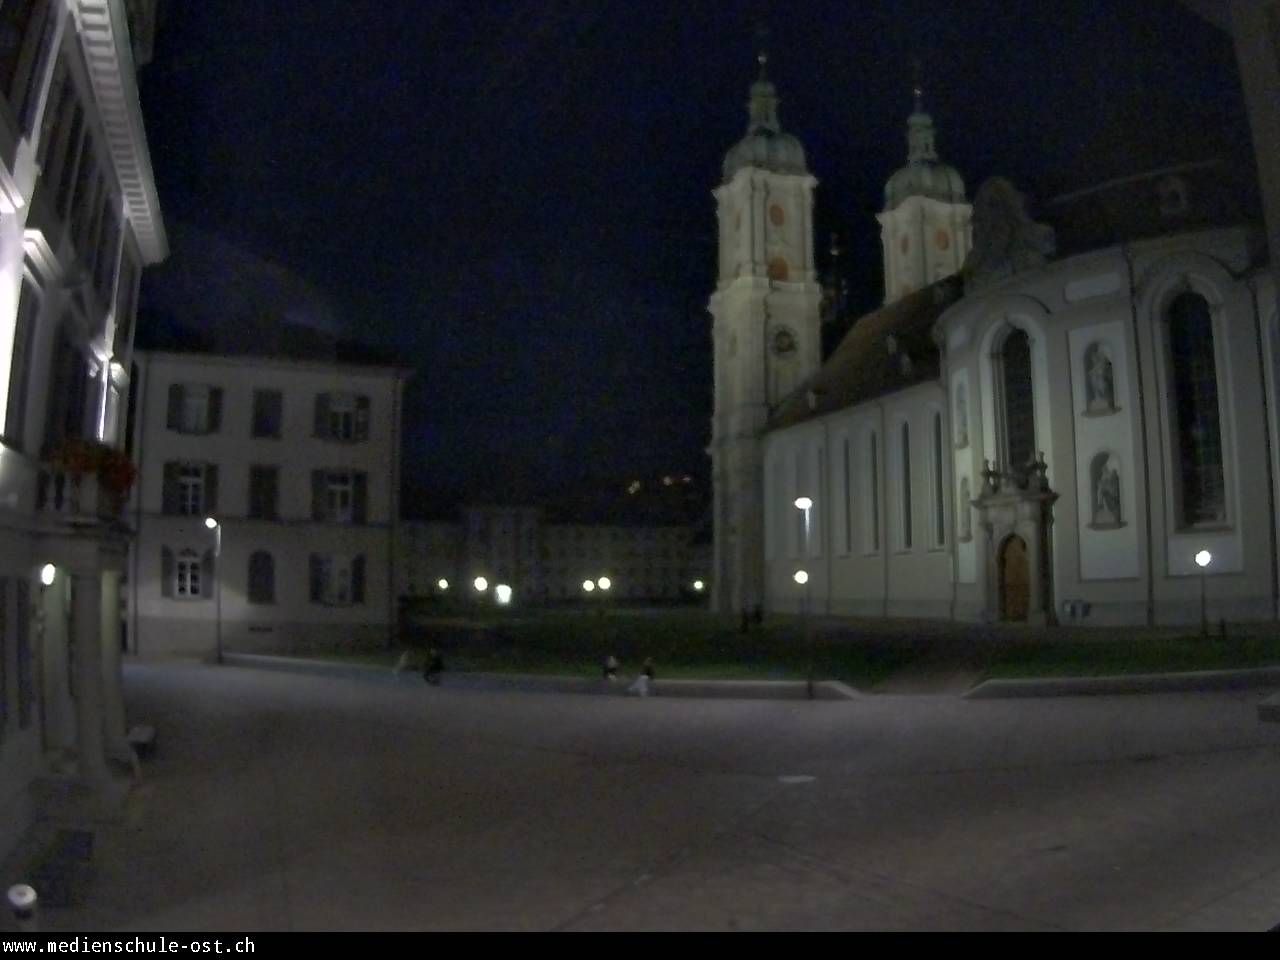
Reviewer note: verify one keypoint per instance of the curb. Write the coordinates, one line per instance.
(1135, 683)
(1269, 709)
(825, 690)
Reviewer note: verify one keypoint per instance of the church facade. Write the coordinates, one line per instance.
(1018, 434)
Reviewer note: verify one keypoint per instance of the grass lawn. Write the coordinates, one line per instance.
(690, 644)
(1139, 655)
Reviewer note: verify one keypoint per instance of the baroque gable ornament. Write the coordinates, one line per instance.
(1005, 238)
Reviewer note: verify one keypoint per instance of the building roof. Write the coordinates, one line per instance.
(104, 30)
(887, 350)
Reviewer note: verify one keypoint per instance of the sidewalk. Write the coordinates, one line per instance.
(826, 690)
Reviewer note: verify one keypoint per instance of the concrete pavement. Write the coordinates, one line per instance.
(285, 801)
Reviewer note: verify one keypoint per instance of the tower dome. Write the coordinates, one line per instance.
(924, 175)
(765, 146)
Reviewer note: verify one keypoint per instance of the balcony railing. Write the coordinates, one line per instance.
(77, 498)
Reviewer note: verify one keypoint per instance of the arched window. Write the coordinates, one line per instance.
(262, 577)
(906, 485)
(1196, 414)
(1017, 407)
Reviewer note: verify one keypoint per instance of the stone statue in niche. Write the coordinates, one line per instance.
(962, 417)
(1100, 382)
(1106, 491)
(966, 511)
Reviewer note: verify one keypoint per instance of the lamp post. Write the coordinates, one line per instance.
(802, 578)
(805, 505)
(212, 524)
(1203, 559)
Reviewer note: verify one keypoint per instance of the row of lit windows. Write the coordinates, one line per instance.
(333, 579)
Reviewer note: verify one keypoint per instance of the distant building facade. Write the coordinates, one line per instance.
(79, 220)
(545, 556)
(298, 463)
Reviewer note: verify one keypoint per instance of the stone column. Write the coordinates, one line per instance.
(112, 694)
(86, 632)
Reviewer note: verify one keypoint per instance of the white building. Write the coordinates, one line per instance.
(298, 464)
(79, 219)
(1046, 435)
(548, 560)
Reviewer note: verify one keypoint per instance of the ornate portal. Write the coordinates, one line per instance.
(1015, 514)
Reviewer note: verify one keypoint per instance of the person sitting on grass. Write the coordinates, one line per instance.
(433, 668)
(642, 684)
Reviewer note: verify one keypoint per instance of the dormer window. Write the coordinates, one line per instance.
(1173, 196)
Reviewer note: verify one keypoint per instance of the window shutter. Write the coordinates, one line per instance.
(357, 579)
(168, 570)
(317, 495)
(215, 409)
(211, 488)
(207, 573)
(360, 507)
(322, 415)
(175, 406)
(169, 493)
(272, 494)
(362, 418)
(317, 578)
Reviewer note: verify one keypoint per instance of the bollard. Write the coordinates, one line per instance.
(23, 902)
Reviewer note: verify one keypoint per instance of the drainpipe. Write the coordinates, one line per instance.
(824, 484)
(1127, 253)
(882, 469)
(1270, 442)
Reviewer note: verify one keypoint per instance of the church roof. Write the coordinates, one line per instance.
(887, 350)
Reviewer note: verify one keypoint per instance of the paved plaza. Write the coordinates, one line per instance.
(305, 802)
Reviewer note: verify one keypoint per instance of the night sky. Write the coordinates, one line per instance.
(515, 197)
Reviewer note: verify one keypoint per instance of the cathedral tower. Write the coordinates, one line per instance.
(925, 224)
(766, 330)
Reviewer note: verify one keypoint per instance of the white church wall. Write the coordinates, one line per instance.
(1104, 413)
(919, 574)
(1240, 577)
(1265, 307)
(967, 483)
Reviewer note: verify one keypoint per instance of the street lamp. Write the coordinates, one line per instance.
(588, 585)
(212, 524)
(1203, 559)
(805, 504)
(47, 574)
(604, 583)
(699, 586)
(443, 584)
(481, 584)
(503, 594)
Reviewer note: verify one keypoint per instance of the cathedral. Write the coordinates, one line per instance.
(1059, 422)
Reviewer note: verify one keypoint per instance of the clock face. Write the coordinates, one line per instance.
(777, 216)
(943, 240)
(784, 343)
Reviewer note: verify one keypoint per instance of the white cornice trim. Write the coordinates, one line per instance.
(104, 37)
